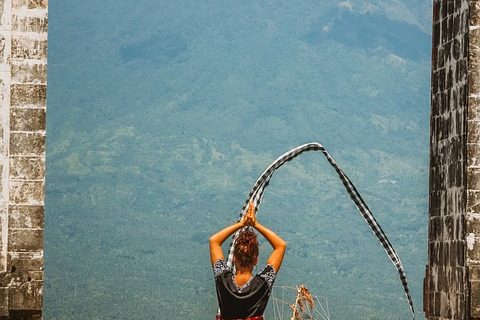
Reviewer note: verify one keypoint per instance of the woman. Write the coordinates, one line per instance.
(240, 294)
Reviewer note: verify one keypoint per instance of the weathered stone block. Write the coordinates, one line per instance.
(26, 295)
(462, 307)
(452, 254)
(473, 252)
(27, 192)
(5, 15)
(26, 216)
(461, 248)
(474, 13)
(27, 119)
(444, 34)
(473, 108)
(458, 285)
(472, 54)
(27, 144)
(23, 73)
(475, 298)
(451, 299)
(30, 4)
(455, 174)
(27, 168)
(5, 47)
(22, 95)
(4, 301)
(443, 304)
(20, 267)
(25, 256)
(473, 226)
(473, 201)
(473, 155)
(437, 303)
(24, 48)
(29, 24)
(441, 261)
(433, 251)
(473, 131)
(436, 11)
(474, 272)
(3, 263)
(461, 76)
(25, 270)
(459, 227)
(448, 227)
(435, 228)
(434, 201)
(25, 240)
(443, 10)
(473, 178)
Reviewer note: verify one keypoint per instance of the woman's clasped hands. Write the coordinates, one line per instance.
(249, 219)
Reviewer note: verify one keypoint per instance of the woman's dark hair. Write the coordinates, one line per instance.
(246, 249)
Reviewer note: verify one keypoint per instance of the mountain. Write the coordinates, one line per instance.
(161, 115)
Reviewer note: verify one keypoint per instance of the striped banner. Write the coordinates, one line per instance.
(256, 195)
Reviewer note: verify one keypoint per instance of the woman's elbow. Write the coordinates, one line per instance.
(212, 240)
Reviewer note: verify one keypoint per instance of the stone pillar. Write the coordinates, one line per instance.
(445, 286)
(23, 82)
(473, 162)
(451, 284)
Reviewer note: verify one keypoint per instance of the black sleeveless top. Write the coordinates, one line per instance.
(246, 301)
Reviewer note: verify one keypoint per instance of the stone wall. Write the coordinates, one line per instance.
(446, 290)
(452, 288)
(473, 162)
(23, 82)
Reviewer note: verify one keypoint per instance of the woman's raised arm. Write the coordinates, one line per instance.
(278, 244)
(218, 238)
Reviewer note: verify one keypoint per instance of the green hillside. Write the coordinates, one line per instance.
(161, 115)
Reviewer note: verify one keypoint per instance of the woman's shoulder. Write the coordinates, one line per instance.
(268, 274)
(220, 266)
